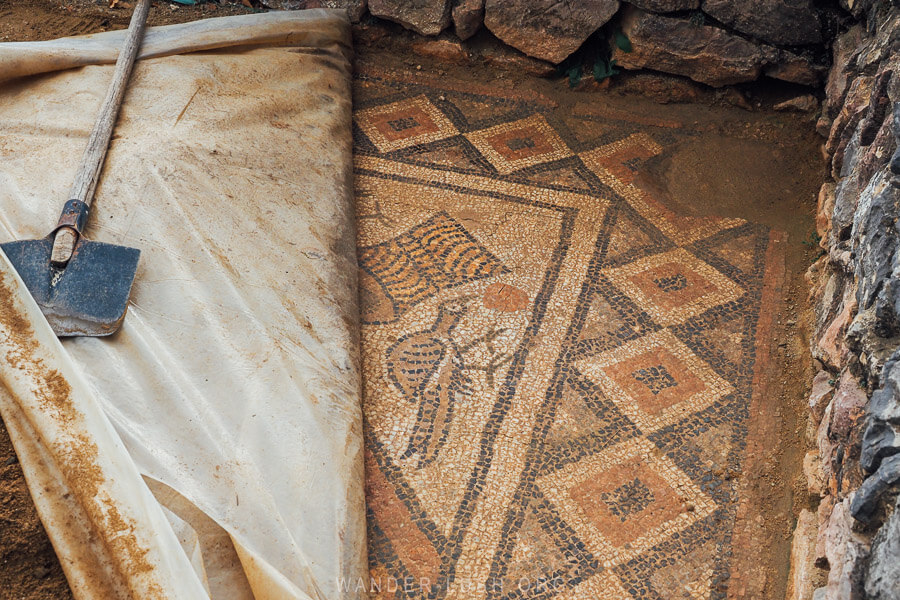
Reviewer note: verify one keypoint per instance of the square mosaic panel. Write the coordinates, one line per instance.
(655, 380)
(403, 124)
(520, 144)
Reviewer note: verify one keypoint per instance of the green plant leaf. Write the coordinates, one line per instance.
(604, 68)
(622, 42)
(574, 74)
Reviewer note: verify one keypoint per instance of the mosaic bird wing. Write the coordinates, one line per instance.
(416, 357)
(413, 361)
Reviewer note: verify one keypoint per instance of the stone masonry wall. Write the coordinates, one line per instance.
(714, 42)
(849, 548)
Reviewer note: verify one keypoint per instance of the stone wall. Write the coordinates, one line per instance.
(715, 42)
(849, 547)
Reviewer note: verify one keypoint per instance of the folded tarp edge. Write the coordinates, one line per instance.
(230, 382)
(76, 486)
(282, 28)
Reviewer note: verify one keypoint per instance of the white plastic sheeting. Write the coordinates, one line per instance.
(212, 448)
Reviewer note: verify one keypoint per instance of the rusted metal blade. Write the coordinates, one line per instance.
(89, 296)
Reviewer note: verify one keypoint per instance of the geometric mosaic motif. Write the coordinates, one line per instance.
(557, 366)
(405, 123)
(524, 143)
(628, 499)
(578, 491)
(655, 380)
(674, 286)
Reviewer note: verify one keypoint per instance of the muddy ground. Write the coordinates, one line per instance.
(27, 20)
(755, 143)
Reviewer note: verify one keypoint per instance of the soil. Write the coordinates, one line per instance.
(757, 143)
(28, 566)
(28, 20)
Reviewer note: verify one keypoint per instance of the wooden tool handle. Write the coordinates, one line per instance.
(94, 154)
(92, 159)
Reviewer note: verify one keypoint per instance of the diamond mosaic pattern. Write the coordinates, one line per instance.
(513, 146)
(403, 124)
(674, 286)
(656, 380)
(578, 490)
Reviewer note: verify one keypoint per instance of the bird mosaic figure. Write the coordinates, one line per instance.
(427, 368)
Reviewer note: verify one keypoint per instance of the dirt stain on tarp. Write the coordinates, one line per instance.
(77, 456)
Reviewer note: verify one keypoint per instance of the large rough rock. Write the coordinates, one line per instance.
(796, 69)
(495, 53)
(704, 53)
(894, 165)
(875, 235)
(786, 22)
(882, 436)
(866, 499)
(446, 51)
(839, 77)
(355, 8)
(664, 6)
(883, 575)
(468, 16)
(804, 576)
(845, 553)
(426, 17)
(547, 29)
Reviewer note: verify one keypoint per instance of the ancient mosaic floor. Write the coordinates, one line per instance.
(558, 369)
